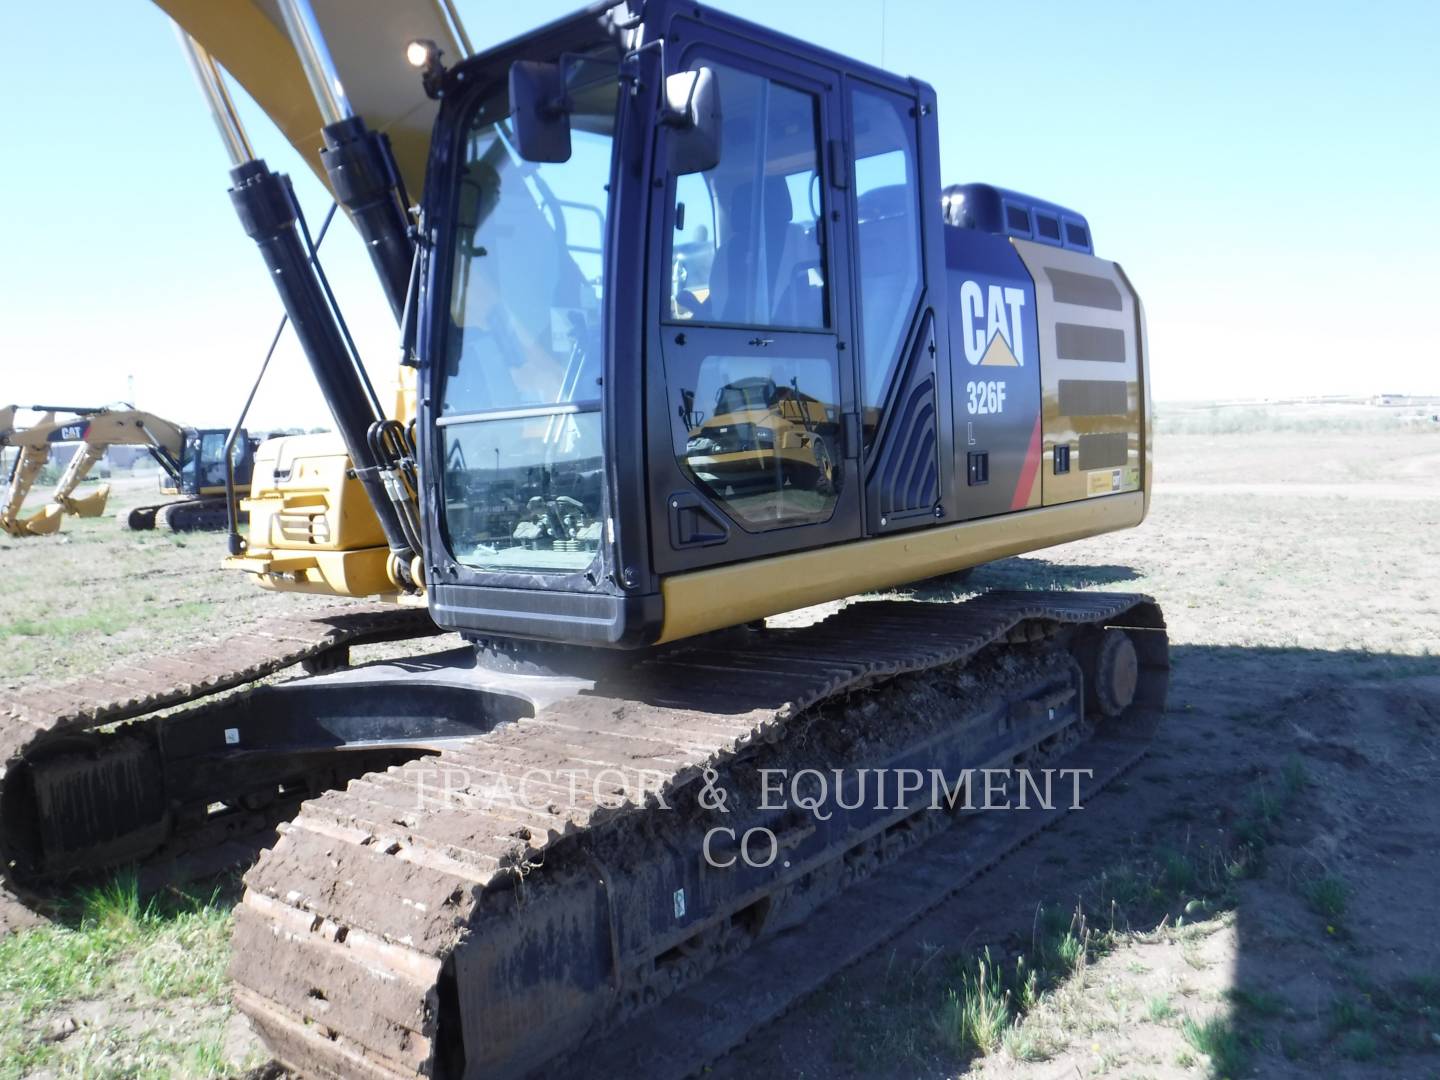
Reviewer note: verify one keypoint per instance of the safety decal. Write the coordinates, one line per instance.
(1027, 490)
(1102, 481)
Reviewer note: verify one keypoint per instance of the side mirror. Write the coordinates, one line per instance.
(692, 112)
(540, 108)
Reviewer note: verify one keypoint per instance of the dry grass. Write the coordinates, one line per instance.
(93, 595)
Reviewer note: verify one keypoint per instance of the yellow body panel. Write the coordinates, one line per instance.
(705, 600)
(1085, 305)
(312, 528)
(405, 404)
(303, 496)
(333, 573)
(367, 41)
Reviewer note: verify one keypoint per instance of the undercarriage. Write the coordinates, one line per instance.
(486, 866)
(198, 513)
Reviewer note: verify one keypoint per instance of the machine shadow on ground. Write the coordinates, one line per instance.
(1254, 898)
(1019, 573)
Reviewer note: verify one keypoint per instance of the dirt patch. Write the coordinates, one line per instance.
(1347, 990)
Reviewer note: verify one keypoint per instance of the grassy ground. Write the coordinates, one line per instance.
(1254, 899)
(93, 595)
(118, 986)
(142, 983)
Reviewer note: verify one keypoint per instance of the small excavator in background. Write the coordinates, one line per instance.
(192, 460)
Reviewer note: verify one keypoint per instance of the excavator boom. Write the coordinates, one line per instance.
(366, 45)
(96, 429)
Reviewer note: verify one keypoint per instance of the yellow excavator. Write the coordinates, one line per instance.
(32, 452)
(192, 463)
(627, 821)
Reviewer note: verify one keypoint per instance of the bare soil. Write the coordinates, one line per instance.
(1304, 614)
(1305, 628)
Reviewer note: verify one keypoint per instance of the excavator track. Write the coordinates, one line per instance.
(180, 515)
(194, 515)
(79, 757)
(472, 913)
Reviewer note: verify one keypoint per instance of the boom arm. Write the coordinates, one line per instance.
(366, 40)
(350, 55)
(338, 77)
(29, 460)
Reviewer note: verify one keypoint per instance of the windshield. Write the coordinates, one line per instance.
(202, 462)
(520, 405)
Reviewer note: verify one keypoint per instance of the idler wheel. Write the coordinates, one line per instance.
(1111, 669)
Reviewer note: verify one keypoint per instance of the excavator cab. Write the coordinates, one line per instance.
(676, 250)
(697, 336)
(202, 462)
(629, 221)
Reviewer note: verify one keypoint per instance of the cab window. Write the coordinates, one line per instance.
(746, 248)
(757, 421)
(887, 199)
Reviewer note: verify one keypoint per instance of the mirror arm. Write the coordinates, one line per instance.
(631, 60)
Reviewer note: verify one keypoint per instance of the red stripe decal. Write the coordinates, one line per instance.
(1027, 474)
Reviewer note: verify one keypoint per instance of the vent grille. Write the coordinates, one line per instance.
(1074, 341)
(1107, 451)
(1086, 290)
(909, 470)
(304, 528)
(1094, 397)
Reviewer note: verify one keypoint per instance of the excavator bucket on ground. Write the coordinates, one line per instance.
(88, 506)
(44, 522)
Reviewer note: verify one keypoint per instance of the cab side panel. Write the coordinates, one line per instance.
(996, 375)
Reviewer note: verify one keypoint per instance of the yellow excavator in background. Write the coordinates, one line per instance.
(550, 850)
(192, 462)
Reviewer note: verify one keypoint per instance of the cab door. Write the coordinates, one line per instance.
(901, 350)
(752, 421)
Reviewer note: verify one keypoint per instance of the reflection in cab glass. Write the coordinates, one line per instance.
(760, 432)
(767, 446)
(520, 409)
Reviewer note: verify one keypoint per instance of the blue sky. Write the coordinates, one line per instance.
(1267, 173)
